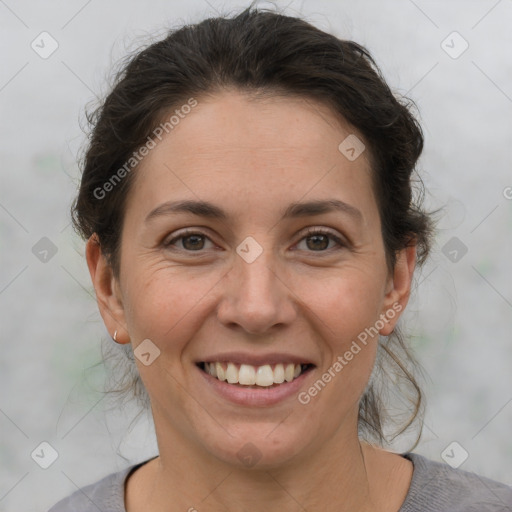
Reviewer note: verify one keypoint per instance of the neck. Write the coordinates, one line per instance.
(333, 477)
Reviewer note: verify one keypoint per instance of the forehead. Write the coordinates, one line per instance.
(233, 147)
(232, 122)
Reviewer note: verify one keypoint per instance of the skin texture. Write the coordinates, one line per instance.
(301, 296)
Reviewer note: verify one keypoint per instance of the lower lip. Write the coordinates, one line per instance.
(252, 396)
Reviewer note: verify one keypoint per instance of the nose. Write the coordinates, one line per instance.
(256, 296)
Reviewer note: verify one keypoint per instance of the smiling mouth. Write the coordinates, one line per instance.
(249, 376)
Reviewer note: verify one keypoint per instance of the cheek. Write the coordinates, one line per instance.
(167, 303)
(347, 309)
(346, 304)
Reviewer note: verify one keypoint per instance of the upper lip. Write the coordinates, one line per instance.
(256, 359)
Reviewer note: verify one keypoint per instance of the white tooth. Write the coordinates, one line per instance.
(247, 375)
(232, 373)
(211, 369)
(288, 372)
(221, 374)
(279, 374)
(264, 376)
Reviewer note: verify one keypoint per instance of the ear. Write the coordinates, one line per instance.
(399, 289)
(108, 293)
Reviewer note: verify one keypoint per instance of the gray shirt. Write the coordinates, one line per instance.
(435, 487)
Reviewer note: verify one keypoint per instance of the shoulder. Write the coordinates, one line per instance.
(438, 486)
(106, 495)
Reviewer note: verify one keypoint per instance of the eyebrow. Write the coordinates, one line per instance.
(294, 210)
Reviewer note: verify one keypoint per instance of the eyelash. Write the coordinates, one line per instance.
(310, 232)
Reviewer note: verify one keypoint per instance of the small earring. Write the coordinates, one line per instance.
(115, 336)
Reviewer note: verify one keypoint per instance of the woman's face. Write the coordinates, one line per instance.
(247, 284)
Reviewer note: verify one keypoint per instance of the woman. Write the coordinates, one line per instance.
(252, 236)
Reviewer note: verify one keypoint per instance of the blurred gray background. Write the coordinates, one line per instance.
(451, 57)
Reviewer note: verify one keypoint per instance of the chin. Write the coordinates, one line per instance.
(262, 446)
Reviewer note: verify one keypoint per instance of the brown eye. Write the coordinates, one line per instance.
(318, 241)
(192, 242)
(188, 241)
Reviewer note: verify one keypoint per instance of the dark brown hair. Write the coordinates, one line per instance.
(264, 52)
